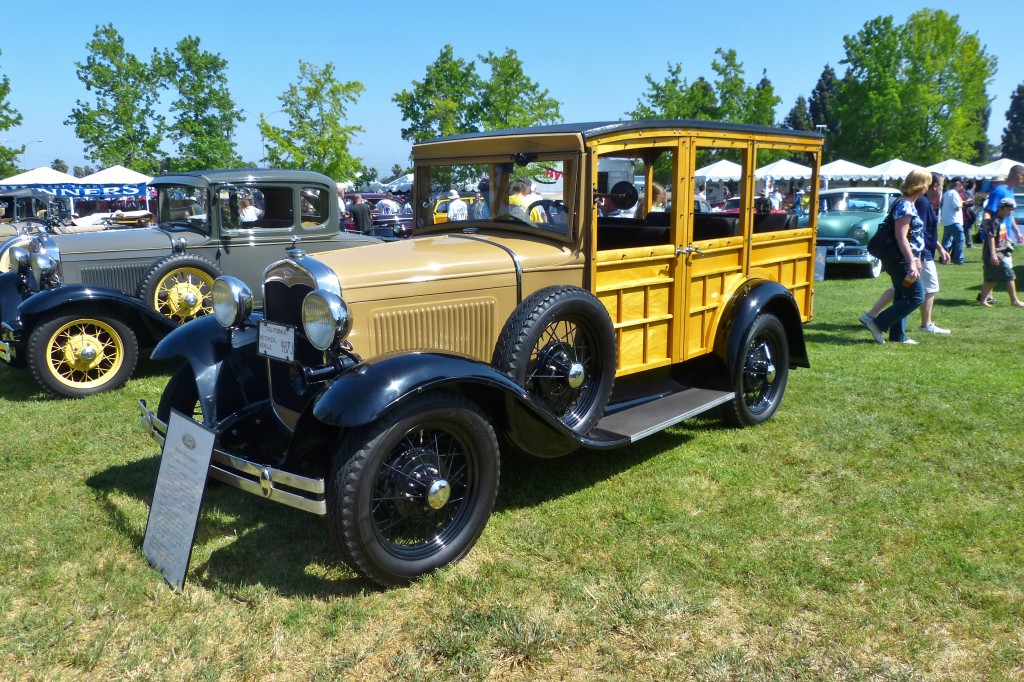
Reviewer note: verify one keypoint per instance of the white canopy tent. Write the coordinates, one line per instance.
(400, 184)
(951, 168)
(998, 168)
(720, 170)
(841, 169)
(44, 175)
(896, 169)
(115, 175)
(783, 169)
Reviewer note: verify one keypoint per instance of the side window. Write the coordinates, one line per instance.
(634, 191)
(781, 181)
(315, 209)
(257, 207)
(717, 182)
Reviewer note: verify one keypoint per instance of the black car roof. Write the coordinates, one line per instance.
(242, 176)
(593, 129)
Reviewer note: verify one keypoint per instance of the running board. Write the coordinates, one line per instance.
(638, 421)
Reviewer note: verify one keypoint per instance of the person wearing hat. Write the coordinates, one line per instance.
(996, 254)
(1005, 191)
(456, 207)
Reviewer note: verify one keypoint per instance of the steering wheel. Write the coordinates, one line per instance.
(552, 210)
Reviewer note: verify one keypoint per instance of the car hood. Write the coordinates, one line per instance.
(840, 222)
(445, 262)
(123, 240)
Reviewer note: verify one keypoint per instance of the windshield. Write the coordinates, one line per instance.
(854, 201)
(535, 194)
(182, 205)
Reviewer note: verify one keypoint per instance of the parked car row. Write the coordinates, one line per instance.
(140, 283)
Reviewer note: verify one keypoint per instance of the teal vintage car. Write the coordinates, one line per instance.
(847, 218)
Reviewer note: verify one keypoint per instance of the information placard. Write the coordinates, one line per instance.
(171, 528)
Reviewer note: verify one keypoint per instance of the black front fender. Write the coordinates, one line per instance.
(82, 300)
(361, 395)
(754, 298)
(224, 363)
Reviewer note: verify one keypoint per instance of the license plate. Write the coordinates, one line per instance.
(277, 341)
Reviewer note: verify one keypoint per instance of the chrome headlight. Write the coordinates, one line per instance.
(325, 319)
(19, 258)
(232, 301)
(42, 266)
(859, 232)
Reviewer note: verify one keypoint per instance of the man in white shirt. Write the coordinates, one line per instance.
(951, 215)
(456, 207)
(388, 205)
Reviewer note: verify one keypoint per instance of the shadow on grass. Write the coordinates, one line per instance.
(267, 545)
(275, 546)
(16, 383)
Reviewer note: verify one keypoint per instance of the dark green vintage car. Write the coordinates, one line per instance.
(847, 218)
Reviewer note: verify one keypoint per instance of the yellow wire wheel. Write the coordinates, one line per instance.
(181, 288)
(78, 356)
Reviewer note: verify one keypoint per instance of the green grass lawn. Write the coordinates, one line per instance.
(872, 530)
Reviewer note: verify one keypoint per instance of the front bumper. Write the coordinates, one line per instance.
(273, 484)
(846, 254)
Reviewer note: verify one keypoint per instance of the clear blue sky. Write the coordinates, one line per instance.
(592, 57)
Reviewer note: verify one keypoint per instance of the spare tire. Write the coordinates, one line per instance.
(559, 344)
(180, 287)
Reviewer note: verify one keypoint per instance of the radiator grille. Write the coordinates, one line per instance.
(465, 328)
(125, 278)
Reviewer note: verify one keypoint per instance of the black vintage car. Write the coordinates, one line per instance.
(75, 308)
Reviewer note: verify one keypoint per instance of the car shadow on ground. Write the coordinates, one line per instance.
(257, 543)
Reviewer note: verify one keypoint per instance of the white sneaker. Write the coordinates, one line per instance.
(909, 342)
(869, 322)
(933, 328)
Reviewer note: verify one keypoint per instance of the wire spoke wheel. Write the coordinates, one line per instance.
(184, 294)
(759, 375)
(78, 356)
(83, 353)
(420, 492)
(760, 380)
(411, 492)
(561, 369)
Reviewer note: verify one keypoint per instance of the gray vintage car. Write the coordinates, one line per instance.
(76, 307)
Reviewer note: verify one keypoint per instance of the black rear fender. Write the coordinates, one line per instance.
(751, 300)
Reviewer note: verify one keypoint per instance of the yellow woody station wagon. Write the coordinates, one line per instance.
(380, 383)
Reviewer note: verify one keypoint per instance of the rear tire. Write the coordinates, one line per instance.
(759, 380)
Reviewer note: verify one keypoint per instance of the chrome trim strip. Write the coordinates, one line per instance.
(224, 465)
(510, 252)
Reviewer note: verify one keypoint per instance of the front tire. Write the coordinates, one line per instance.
(559, 345)
(412, 492)
(760, 379)
(181, 394)
(74, 356)
(180, 287)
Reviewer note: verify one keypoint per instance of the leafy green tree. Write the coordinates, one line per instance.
(453, 98)
(82, 171)
(799, 117)
(444, 102)
(673, 97)
(822, 104)
(9, 118)
(729, 98)
(59, 165)
(316, 136)
(509, 99)
(1013, 133)
(204, 113)
(396, 171)
(913, 91)
(761, 102)
(121, 126)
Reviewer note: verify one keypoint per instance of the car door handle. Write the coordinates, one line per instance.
(692, 248)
